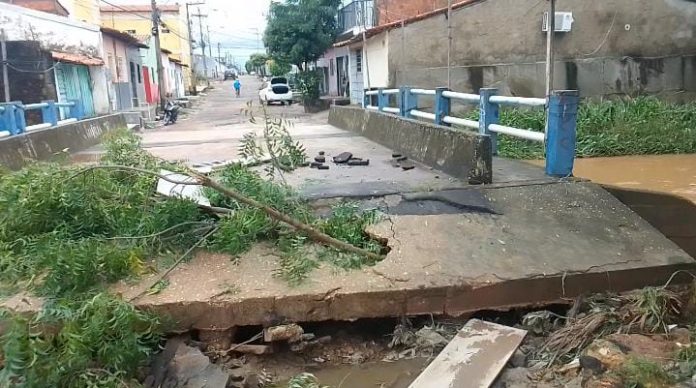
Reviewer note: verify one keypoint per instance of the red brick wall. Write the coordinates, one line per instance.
(395, 10)
(50, 6)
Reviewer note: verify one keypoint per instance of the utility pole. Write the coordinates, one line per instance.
(3, 58)
(210, 52)
(449, 43)
(219, 55)
(551, 25)
(158, 49)
(200, 29)
(194, 81)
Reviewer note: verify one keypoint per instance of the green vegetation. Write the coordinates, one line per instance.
(305, 380)
(278, 67)
(641, 373)
(67, 232)
(640, 126)
(300, 31)
(347, 223)
(257, 63)
(99, 341)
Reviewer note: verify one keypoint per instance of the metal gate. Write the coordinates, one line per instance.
(73, 82)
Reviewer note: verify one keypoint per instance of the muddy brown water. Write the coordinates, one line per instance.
(397, 374)
(671, 174)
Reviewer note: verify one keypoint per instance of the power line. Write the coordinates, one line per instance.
(125, 10)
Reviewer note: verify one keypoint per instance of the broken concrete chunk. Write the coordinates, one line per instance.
(359, 162)
(474, 358)
(407, 165)
(323, 167)
(400, 158)
(290, 333)
(193, 191)
(343, 157)
(180, 365)
(320, 159)
(315, 165)
(396, 155)
(322, 153)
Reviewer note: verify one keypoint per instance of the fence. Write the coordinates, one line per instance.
(561, 119)
(13, 115)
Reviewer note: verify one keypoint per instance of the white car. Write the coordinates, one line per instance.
(276, 90)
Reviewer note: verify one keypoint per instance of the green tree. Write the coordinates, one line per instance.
(257, 63)
(300, 31)
(278, 67)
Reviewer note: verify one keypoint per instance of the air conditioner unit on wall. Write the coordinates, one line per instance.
(563, 20)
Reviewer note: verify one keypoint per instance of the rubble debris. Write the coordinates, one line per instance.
(401, 158)
(473, 358)
(359, 162)
(320, 159)
(322, 153)
(407, 165)
(251, 349)
(180, 365)
(323, 167)
(315, 164)
(342, 158)
(290, 333)
(396, 155)
(192, 192)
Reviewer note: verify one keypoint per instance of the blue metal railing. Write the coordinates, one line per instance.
(13, 115)
(561, 119)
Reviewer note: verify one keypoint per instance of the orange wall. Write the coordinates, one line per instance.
(395, 10)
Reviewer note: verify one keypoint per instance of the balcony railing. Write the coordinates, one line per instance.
(358, 14)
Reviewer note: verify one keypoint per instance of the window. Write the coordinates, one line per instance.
(140, 74)
(331, 67)
(358, 61)
(132, 72)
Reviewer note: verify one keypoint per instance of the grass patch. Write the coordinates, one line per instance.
(640, 126)
(640, 373)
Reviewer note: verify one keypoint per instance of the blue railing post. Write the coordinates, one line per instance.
(408, 101)
(381, 100)
(489, 114)
(20, 118)
(9, 118)
(561, 132)
(76, 111)
(442, 106)
(49, 113)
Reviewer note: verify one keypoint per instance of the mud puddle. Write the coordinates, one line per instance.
(397, 374)
(672, 174)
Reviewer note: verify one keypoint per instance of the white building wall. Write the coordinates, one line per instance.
(58, 33)
(376, 67)
(356, 66)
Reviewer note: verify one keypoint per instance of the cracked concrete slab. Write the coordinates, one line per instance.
(546, 243)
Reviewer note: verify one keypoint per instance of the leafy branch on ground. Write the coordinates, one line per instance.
(640, 126)
(285, 153)
(100, 341)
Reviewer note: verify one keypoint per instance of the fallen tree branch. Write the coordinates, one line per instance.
(177, 226)
(202, 180)
(313, 233)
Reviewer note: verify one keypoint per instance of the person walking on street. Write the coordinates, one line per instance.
(237, 87)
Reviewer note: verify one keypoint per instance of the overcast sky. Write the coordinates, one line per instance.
(237, 25)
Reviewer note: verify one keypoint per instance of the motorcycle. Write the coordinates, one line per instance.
(171, 112)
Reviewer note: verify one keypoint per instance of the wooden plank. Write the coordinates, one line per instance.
(474, 358)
